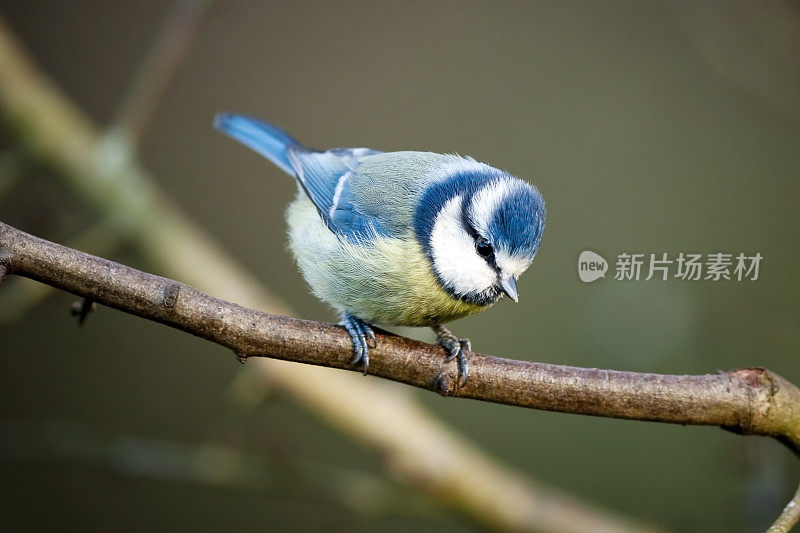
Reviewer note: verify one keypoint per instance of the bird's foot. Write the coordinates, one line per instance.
(457, 348)
(363, 338)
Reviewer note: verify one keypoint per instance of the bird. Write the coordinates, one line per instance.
(404, 238)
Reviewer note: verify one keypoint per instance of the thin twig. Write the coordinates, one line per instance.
(81, 309)
(789, 517)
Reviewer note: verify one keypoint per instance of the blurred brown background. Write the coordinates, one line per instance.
(648, 127)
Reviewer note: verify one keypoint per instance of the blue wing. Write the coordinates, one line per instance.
(327, 179)
(324, 176)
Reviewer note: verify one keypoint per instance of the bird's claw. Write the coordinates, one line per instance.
(373, 342)
(363, 339)
(457, 349)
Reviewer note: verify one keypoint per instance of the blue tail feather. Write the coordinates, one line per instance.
(266, 139)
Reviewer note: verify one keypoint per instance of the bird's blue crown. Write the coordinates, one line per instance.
(517, 222)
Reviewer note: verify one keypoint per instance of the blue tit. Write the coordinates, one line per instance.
(401, 238)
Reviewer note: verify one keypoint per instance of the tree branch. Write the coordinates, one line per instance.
(751, 401)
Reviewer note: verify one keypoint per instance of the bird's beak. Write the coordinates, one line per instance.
(509, 286)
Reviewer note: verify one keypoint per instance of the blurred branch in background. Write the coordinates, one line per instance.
(215, 465)
(140, 103)
(159, 67)
(746, 401)
(418, 449)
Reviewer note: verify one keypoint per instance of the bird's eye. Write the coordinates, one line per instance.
(483, 248)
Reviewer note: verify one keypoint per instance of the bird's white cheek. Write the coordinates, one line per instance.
(512, 266)
(454, 256)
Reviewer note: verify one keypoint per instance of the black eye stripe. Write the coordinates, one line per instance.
(477, 237)
(467, 223)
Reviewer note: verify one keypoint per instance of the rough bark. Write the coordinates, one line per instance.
(746, 400)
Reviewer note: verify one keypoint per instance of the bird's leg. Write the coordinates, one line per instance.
(363, 338)
(457, 348)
